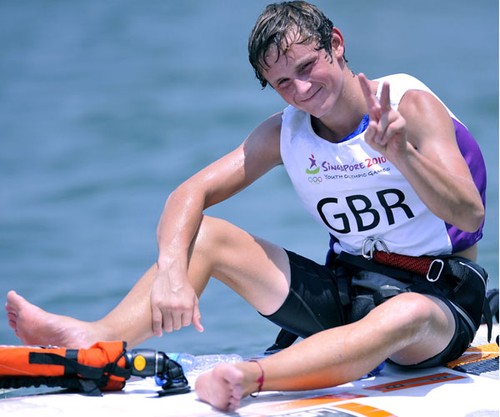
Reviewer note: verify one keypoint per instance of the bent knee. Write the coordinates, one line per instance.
(414, 307)
(218, 241)
(424, 327)
(209, 233)
(411, 315)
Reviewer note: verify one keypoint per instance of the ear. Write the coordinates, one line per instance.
(338, 46)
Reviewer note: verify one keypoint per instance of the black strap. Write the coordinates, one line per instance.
(488, 318)
(72, 367)
(87, 379)
(175, 382)
(360, 263)
(283, 340)
(492, 297)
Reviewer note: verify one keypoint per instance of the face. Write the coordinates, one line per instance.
(305, 78)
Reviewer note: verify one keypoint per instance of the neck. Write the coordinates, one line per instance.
(347, 115)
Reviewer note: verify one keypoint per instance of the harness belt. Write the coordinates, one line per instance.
(451, 275)
(429, 267)
(402, 267)
(458, 279)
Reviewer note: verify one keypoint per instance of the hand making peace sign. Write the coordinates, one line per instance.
(386, 132)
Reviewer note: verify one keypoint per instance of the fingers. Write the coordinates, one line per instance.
(169, 319)
(379, 135)
(370, 98)
(164, 320)
(386, 124)
(157, 318)
(197, 319)
(385, 97)
(376, 108)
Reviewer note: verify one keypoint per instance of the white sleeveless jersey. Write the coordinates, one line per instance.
(356, 193)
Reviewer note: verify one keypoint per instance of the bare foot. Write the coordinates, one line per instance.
(222, 387)
(35, 326)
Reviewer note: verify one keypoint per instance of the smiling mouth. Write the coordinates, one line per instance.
(309, 98)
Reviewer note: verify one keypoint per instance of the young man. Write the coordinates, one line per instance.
(382, 164)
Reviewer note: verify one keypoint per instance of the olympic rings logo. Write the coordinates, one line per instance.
(315, 180)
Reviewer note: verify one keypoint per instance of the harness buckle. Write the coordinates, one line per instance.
(435, 269)
(369, 247)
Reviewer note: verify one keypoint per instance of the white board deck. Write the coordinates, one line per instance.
(433, 392)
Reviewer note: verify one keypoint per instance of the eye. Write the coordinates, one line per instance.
(306, 67)
(283, 83)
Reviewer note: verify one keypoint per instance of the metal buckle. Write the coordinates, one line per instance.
(369, 247)
(440, 265)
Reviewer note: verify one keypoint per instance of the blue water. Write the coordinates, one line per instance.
(106, 106)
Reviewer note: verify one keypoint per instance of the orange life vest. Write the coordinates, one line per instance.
(104, 366)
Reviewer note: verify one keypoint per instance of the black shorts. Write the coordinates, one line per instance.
(314, 303)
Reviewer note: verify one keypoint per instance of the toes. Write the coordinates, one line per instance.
(12, 320)
(14, 300)
(10, 309)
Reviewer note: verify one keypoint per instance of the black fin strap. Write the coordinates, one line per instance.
(72, 367)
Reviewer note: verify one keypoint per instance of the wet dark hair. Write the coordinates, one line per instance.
(282, 24)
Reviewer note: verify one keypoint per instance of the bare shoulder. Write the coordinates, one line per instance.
(427, 119)
(422, 105)
(264, 141)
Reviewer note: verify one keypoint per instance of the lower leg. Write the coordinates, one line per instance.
(401, 329)
(130, 320)
(325, 359)
(253, 268)
(322, 360)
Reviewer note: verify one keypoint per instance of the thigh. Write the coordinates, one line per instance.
(257, 270)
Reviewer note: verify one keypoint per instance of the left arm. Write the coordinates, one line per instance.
(419, 139)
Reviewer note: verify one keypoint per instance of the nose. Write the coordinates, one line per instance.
(302, 88)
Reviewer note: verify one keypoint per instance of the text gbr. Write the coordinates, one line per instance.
(362, 209)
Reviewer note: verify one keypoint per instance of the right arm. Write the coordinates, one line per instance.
(174, 302)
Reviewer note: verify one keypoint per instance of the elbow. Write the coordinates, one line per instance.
(474, 219)
(479, 218)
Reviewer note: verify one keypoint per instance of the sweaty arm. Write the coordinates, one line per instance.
(434, 165)
(419, 139)
(174, 302)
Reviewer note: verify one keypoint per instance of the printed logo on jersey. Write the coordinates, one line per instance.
(313, 170)
(317, 172)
